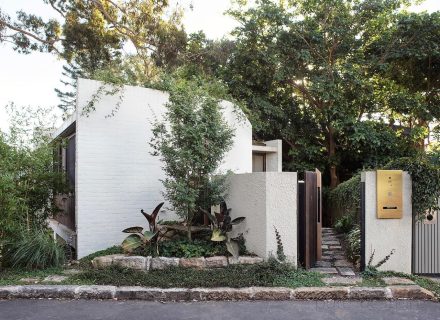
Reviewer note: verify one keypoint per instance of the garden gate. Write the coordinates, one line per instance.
(309, 219)
(426, 245)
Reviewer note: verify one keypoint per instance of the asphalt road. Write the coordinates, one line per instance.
(298, 310)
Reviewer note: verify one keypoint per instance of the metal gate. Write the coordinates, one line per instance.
(426, 245)
(309, 219)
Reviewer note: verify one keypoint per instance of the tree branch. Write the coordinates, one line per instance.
(50, 43)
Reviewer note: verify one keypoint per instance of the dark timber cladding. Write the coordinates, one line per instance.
(309, 219)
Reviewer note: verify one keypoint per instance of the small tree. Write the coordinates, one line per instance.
(192, 143)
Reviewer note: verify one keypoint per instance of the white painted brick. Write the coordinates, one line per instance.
(116, 176)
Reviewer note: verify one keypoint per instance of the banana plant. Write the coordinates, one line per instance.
(222, 223)
(140, 238)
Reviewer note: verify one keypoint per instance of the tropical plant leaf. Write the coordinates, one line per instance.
(156, 210)
(233, 248)
(131, 243)
(133, 230)
(211, 218)
(238, 220)
(148, 235)
(217, 235)
(152, 217)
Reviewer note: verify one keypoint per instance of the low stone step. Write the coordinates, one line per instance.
(330, 237)
(325, 240)
(346, 272)
(339, 257)
(331, 243)
(323, 264)
(342, 280)
(392, 281)
(333, 253)
(343, 263)
(327, 258)
(325, 270)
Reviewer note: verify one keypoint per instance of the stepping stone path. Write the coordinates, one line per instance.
(333, 261)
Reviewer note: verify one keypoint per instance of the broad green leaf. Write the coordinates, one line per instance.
(133, 230)
(148, 235)
(233, 248)
(131, 243)
(217, 235)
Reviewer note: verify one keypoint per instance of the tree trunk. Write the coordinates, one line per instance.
(331, 151)
(420, 143)
(189, 235)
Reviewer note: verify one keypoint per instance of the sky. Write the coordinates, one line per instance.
(31, 79)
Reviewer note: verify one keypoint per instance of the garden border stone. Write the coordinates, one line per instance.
(213, 294)
(141, 263)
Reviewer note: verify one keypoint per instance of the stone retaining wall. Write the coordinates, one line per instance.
(158, 263)
(213, 294)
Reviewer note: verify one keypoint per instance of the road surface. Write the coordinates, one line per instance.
(297, 310)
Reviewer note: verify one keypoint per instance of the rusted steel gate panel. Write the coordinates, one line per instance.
(318, 214)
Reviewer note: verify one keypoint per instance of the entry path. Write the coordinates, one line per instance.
(257, 310)
(333, 260)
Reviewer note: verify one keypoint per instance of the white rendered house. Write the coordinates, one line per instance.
(110, 168)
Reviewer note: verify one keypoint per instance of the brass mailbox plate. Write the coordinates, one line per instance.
(389, 194)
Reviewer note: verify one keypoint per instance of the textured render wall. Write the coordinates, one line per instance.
(239, 158)
(383, 235)
(116, 176)
(274, 160)
(266, 199)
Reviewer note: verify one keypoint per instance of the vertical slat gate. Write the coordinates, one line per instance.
(426, 246)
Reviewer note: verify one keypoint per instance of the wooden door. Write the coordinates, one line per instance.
(309, 219)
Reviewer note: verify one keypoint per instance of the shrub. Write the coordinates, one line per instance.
(28, 182)
(345, 199)
(345, 223)
(35, 249)
(184, 248)
(353, 244)
(191, 145)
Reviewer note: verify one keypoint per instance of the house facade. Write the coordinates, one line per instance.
(108, 161)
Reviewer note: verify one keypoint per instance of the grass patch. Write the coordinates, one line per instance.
(372, 282)
(13, 276)
(426, 283)
(265, 274)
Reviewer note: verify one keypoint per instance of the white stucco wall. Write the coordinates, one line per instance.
(384, 235)
(115, 174)
(274, 160)
(267, 200)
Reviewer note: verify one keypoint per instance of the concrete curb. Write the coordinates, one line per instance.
(413, 292)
